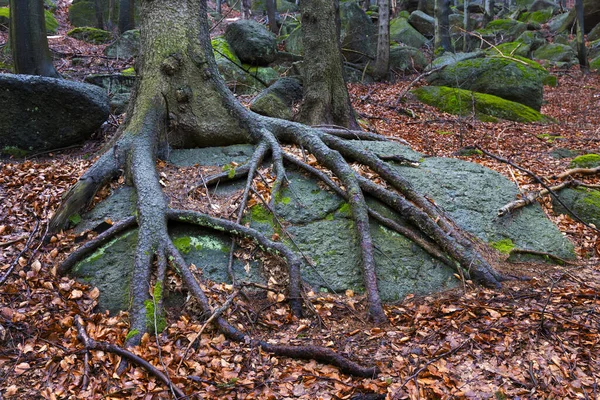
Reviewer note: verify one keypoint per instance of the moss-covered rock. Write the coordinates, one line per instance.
(278, 99)
(503, 29)
(538, 17)
(422, 23)
(595, 64)
(555, 53)
(251, 42)
(90, 35)
(126, 46)
(585, 203)
(520, 80)
(358, 34)
(406, 58)
(403, 32)
(586, 161)
(51, 22)
(487, 107)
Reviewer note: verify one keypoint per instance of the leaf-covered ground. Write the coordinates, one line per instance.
(531, 340)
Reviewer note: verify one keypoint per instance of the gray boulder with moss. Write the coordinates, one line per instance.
(40, 113)
(358, 34)
(118, 87)
(406, 59)
(126, 46)
(320, 225)
(485, 107)
(278, 99)
(403, 32)
(90, 35)
(556, 54)
(422, 22)
(584, 203)
(50, 20)
(518, 80)
(251, 42)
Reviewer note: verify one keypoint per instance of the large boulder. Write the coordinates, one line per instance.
(422, 22)
(240, 78)
(358, 34)
(556, 54)
(518, 80)
(251, 42)
(40, 113)
(406, 59)
(403, 32)
(314, 218)
(126, 46)
(118, 87)
(485, 107)
(278, 99)
(584, 203)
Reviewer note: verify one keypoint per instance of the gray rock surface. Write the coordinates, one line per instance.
(406, 59)
(422, 23)
(125, 47)
(585, 203)
(251, 42)
(403, 32)
(358, 33)
(117, 86)
(321, 227)
(40, 113)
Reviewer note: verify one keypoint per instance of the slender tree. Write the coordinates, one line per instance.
(271, 6)
(489, 10)
(326, 99)
(442, 40)
(181, 94)
(466, 25)
(28, 40)
(382, 62)
(126, 15)
(581, 50)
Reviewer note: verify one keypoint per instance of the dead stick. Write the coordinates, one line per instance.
(216, 314)
(582, 171)
(16, 260)
(91, 344)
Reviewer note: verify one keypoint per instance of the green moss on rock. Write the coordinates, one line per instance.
(487, 107)
(51, 22)
(586, 161)
(504, 246)
(90, 35)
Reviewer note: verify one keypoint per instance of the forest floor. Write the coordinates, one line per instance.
(538, 339)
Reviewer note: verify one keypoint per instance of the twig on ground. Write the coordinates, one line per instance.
(16, 260)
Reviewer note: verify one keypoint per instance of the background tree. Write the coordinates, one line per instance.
(489, 10)
(581, 50)
(325, 98)
(180, 93)
(442, 26)
(271, 6)
(28, 41)
(126, 15)
(382, 61)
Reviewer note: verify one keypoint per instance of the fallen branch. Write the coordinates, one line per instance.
(541, 182)
(533, 197)
(91, 344)
(579, 171)
(541, 253)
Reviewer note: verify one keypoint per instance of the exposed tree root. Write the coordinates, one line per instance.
(91, 344)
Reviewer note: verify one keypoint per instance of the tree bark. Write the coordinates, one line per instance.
(442, 26)
(271, 15)
(382, 62)
(126, 15)
(28, 41)
(581, 50)
(326, 99)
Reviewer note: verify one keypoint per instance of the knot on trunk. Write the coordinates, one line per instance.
(171, 65)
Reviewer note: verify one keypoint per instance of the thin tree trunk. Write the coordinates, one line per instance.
(581, 50)
(245, 9)
(442, 26)
(99, 15)
(489, 10)
(271, 14)
(28, 40)
(466, 25)
(382, 62)
(126, 15)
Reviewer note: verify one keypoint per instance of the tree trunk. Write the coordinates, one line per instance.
(100, 15)
(245, 9)
(489, 10)
(581, 50)
(28, 41)
(442, 26)
(126, 15)
(382, 62)
(326, 99)
(466, 25)
(272, 15)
